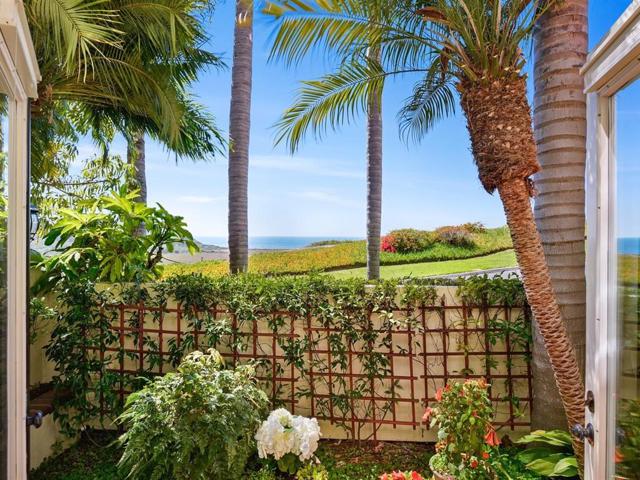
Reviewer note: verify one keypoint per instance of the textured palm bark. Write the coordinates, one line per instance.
(561, 42)
(499, 122)
(239, 128)
(136, 156)
(374, 186)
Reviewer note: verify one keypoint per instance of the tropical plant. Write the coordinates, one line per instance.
(551, 454)
(99, 242)
(561, 45)
(195, 424)
(239, 134)
(466, 436)
(115, 66)
(468, 48)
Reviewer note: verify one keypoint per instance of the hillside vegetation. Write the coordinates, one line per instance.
(348, 255)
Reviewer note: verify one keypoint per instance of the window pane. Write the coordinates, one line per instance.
(627, 332)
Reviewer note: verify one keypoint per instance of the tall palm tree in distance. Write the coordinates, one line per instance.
(239, 132)
(471, 48)
(561, 43)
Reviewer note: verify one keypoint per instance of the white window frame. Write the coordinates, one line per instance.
(613, 64)
(19, 69)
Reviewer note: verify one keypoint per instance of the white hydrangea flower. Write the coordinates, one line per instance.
(282, 433)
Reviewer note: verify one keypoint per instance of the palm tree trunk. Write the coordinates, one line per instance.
(374, 186)
(499, 123)
(136, 157)
(239, 129)
(561, 44)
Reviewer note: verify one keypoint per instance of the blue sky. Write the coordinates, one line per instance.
(321, 191)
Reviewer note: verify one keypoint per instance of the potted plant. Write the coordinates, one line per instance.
(466, 437)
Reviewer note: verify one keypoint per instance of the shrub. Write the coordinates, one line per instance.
(456, 236)
(409, 240)
(466, 437)
(388, 244)
(474, 227)
(195, 424)
(312, 471)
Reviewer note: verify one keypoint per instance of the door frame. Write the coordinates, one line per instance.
(19, 68)
(612, 65)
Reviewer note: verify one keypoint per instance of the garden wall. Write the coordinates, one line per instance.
(365, 361)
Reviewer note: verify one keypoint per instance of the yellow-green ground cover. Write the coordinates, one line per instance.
(349, 255)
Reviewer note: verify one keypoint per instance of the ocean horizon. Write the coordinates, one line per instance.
(272, 242)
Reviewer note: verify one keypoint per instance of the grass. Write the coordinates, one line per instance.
(344, 460)
(348, 255)
(505, 259)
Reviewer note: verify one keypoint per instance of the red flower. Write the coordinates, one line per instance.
(485, 455)
(491, 438)
(427, 414)
(398, 476)
(416, 476)
(439, 394)
(619, 457)
(388, 244)
(474, 462)
(447, 388)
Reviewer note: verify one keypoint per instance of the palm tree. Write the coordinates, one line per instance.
(374, 184)
(471, 47)
(239, 132)
(560, 129)
(121, 69)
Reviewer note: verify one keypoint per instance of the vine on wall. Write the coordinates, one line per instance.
(95, 342)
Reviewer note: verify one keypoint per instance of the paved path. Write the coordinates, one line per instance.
(503, 272)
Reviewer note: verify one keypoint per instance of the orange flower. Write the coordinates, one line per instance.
(416, 476)
(427, 414)
(439, 394)
(485, 455)
(619, 457)
(482, 383)
(491, 438)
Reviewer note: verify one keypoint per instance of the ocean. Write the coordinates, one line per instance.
(272, 243)
(629, 246)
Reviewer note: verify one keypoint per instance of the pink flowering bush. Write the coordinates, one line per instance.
(401, 476)
(388, 244)
(467, 440)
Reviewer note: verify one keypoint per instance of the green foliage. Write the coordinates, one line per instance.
(313, 471)
(350, 255)
(449, 44)
(40, 316)
(85, 349)
(466, 437)
(629, 446)
(508, 467)
(551, 454)
(456, 236)
(195, 424)
(408, 240)
(102, 242)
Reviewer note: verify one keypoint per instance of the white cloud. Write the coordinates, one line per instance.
(311, 166)
(200, 199)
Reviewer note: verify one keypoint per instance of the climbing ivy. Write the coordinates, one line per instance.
(351, 319)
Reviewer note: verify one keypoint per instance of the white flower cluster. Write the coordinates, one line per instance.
(283, 433)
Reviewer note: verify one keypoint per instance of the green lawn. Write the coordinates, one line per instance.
(496, 260)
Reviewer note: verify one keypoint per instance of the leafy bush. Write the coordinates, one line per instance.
(466, 437)
(474, 227)
(195, 424)
(628, 460)
(104, 241)
(551, 454)
(312, 471)
(408, 240)
(456, 236)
